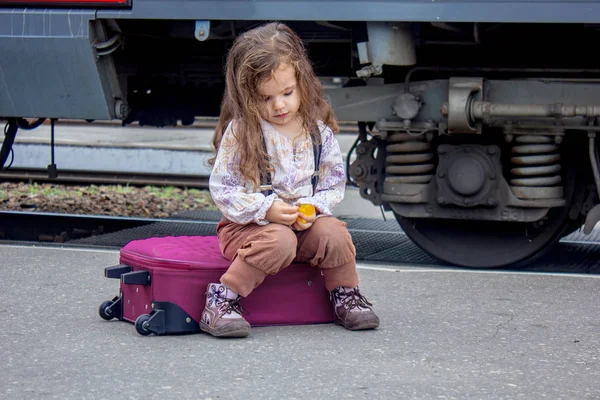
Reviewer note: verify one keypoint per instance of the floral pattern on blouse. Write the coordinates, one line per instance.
(293, 168)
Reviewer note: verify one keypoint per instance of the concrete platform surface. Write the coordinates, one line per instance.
(445, 334)
(186, 138)
(109, 148)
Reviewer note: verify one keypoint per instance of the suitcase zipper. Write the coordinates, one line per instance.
(134, 259)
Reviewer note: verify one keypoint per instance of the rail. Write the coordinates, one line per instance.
(105, 178)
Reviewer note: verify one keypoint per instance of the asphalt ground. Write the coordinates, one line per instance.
(445, 334)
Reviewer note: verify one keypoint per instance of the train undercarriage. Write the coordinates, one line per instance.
(481, 138)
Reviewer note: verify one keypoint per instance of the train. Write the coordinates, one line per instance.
(477, 119)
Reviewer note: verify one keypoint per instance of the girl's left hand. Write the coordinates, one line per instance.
(300, 226)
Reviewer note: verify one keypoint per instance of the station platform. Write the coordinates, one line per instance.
(105, 146)
(444, 334)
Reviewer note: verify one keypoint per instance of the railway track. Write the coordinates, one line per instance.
(374, 243)
(104, 178)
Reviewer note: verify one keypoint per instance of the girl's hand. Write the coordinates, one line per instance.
(302, 226)
(282, 213)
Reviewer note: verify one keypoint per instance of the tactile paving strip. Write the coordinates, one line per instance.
(198, 215)
(374, 225)
(369, 245)
(375, 241)
(579, 236)
(569, 258)
(158, 229)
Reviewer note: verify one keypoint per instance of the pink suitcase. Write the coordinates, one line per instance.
(164, 279)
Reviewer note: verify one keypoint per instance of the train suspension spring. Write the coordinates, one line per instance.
(536, 167)
(409, 159)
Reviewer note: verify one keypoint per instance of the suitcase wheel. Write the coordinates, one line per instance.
(111, 309)
(142, 325)
(105, 311)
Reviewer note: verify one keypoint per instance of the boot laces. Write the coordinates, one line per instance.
(216, 297)
(228, 306)
(353, 299)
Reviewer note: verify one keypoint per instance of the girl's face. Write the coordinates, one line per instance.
(281, 98)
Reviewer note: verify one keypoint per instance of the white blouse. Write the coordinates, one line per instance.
(293, 168)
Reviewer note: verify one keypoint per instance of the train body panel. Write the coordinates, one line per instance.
(500, 11)
(49, 67)
(478, 119)
(379, 10)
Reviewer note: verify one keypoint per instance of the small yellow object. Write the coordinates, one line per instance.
(306, 209)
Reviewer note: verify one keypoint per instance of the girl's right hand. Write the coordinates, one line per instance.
(282, 213)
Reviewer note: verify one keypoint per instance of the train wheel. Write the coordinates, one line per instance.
(482, 244)
(491, 244)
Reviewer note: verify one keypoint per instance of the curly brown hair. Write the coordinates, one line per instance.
(252, 60)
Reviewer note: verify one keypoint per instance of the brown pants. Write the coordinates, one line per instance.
(261, 250)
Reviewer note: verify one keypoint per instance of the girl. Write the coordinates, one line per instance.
(274, 123)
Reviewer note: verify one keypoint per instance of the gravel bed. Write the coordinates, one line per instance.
(115, 200)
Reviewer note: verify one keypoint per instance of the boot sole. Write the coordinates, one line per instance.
(227, 330)
(360, 327)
